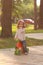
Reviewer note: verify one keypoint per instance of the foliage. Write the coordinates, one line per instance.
(27, 1)
(23, 9)
(16, 8)
(28, 11)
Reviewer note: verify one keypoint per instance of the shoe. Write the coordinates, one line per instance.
(25, 53)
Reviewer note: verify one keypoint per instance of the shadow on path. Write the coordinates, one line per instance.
(35, 57)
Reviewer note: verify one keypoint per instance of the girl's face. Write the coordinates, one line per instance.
(21, 24)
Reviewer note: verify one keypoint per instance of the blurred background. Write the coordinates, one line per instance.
(13, 10)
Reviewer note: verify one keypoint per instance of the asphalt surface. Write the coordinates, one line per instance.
(35, 35)
(34, 57)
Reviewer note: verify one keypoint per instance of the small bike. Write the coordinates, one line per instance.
(19, 49)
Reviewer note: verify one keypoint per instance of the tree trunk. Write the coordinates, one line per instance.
(41, 15)
(35, 15)
(6, 18)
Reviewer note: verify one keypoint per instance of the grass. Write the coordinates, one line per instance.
(7, 43)
(33, 42)
(10, 42)
(29, 29)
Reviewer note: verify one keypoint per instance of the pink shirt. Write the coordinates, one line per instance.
(20, 34)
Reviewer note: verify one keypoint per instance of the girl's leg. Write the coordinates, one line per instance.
(24, 46)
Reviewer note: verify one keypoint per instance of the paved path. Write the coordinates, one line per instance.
(35, 57)
(35, 35)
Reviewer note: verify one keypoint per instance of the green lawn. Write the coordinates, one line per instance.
(10, 42)
(29, 29)
(33, 42)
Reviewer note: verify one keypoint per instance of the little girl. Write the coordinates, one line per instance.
(20, 34)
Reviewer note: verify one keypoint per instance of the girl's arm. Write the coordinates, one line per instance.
(16, 35)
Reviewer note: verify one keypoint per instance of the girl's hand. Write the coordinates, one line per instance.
(15, 39)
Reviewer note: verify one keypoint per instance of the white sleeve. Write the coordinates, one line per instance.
(23, 30)
(16, 35)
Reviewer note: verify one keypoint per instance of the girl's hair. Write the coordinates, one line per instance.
(19, 23)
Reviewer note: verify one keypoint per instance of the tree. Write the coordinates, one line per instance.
(41, 15)
(6, 18)
(35, 15)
